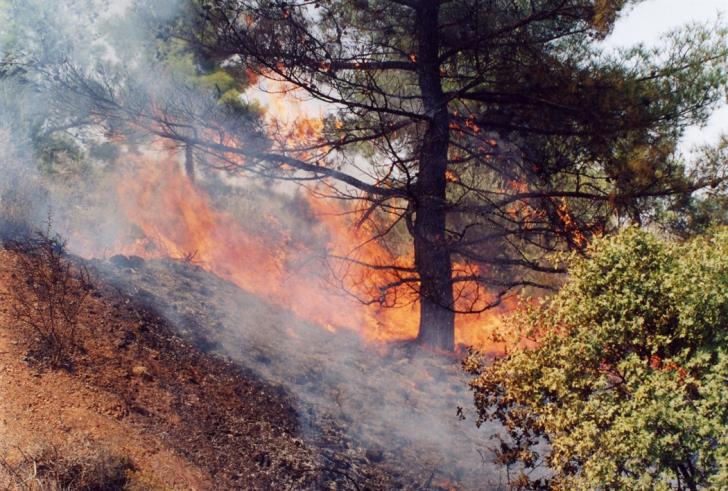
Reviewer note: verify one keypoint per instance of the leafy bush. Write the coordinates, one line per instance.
(626, 384)
(47, 294)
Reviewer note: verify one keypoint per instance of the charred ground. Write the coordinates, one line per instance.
(388, 407)
(184, 418)
(164, 380)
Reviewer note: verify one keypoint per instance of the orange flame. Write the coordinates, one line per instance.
(176, 218)
(569, 224)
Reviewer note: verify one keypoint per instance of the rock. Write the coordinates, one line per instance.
(132, 262)
(374, 455)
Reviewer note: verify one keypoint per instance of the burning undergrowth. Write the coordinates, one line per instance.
(250, 278)
(315, 257)
(244, 270)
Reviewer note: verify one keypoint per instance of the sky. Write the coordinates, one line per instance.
(648, 20)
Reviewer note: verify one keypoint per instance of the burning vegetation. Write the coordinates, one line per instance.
(338, 279)
(288, 222)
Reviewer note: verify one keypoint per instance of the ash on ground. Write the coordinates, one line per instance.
(359, 405)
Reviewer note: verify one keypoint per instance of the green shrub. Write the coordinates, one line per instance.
(627, 381)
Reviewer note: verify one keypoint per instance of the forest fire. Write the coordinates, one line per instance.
(174, 217)
(353, 281)
(252, 243)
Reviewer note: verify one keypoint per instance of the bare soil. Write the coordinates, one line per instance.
(204, 387)
(187, 420)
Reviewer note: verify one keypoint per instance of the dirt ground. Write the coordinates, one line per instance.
(152, 385)
(186, 420)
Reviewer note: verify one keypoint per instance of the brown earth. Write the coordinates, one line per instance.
(184, 374)
(185, 419)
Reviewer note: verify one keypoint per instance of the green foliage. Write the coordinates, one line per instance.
(225, 79)
(59, 154)
(628, 379)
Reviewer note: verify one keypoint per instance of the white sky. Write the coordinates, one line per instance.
(648, 20)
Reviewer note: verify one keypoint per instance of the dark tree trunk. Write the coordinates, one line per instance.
(432, 257)
(190, 162)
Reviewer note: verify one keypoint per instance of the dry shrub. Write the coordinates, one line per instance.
(140, 480)
(21, 197)
(47, 294)
(49, 468)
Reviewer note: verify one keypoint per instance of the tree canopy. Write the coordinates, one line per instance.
(628, 379)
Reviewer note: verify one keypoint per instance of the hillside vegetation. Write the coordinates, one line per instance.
(628, 381)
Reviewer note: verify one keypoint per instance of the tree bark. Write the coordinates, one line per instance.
(190, 162)
(432, 257)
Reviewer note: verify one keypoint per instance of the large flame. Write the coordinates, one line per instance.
(175, 217)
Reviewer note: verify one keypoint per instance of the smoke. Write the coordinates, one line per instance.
(57, 158)
(22, 200)
(398, 406)
(69, 61)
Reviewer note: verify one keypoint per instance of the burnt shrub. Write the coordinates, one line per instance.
(47, 294)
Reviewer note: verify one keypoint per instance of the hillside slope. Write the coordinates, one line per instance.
(185, 420)
(370, 410)
(199, 385)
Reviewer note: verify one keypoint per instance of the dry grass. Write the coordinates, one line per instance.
(46, 467)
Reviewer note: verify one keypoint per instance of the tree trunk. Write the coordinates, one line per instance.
(190, 162)
(432, 257)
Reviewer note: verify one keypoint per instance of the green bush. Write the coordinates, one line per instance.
(624, 384)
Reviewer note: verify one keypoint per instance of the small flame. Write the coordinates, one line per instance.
(569, 224)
